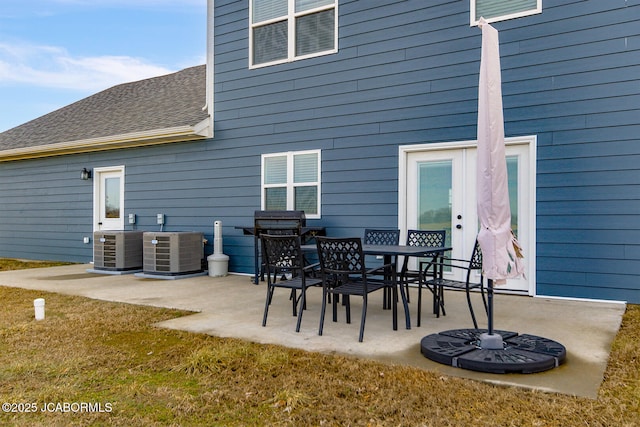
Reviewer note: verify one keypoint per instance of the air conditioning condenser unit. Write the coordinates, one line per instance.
(172, 253)
(117, 250)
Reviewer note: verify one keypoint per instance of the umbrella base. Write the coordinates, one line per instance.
(463, 348)
(491, 341)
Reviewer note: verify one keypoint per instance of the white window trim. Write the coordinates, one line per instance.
(290, 185)
(291, 17)
(474, 22)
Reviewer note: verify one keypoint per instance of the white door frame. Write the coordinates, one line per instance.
(530, 223)
(97, 192)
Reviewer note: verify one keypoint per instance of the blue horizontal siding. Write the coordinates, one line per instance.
(406, 73)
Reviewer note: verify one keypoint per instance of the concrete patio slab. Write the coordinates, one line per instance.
(232, 306)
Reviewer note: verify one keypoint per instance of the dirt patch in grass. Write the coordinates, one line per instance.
(7, 264)
(110, 356)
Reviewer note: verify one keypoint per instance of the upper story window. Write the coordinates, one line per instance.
(291, 181)
(287, 30)
(501, 10)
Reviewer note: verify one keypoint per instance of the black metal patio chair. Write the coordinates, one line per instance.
(381, 236)
(373, 236)
(283, 256)
(343, 272)
(469, 266)
(427, 238)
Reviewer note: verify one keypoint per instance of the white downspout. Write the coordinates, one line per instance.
(210, 64)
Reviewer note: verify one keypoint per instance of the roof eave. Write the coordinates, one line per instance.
(129, 140)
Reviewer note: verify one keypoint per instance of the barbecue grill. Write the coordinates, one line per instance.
(274, 222)
(278, 222)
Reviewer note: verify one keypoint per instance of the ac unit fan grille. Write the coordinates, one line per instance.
(163, 253)
(109, 251)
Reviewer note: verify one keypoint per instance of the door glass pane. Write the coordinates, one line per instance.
(434, 196)
(112, 198)
(512, 173)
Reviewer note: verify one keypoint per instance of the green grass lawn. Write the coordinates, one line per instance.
(100, 363)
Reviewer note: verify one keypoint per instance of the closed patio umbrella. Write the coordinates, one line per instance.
(501, 254)
(481, 349)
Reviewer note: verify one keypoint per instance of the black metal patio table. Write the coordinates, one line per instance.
(389, 251)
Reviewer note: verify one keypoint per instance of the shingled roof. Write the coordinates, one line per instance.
(157, 110)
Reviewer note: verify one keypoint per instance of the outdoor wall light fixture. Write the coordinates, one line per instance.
(85, 174)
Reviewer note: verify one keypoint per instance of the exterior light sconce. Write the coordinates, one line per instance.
(85, 174)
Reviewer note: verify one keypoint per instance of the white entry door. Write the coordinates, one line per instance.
(440, 186)
(108, 198)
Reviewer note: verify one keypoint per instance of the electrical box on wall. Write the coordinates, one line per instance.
(160, 219)
(132, 218)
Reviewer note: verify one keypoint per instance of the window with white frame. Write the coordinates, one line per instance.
(500, 10)
(286, 30)
(291, 181)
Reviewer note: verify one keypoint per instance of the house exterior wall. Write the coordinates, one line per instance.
(406, 73)
(47, 210)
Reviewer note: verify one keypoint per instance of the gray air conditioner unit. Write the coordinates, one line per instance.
(117, 250)
(173, 253)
